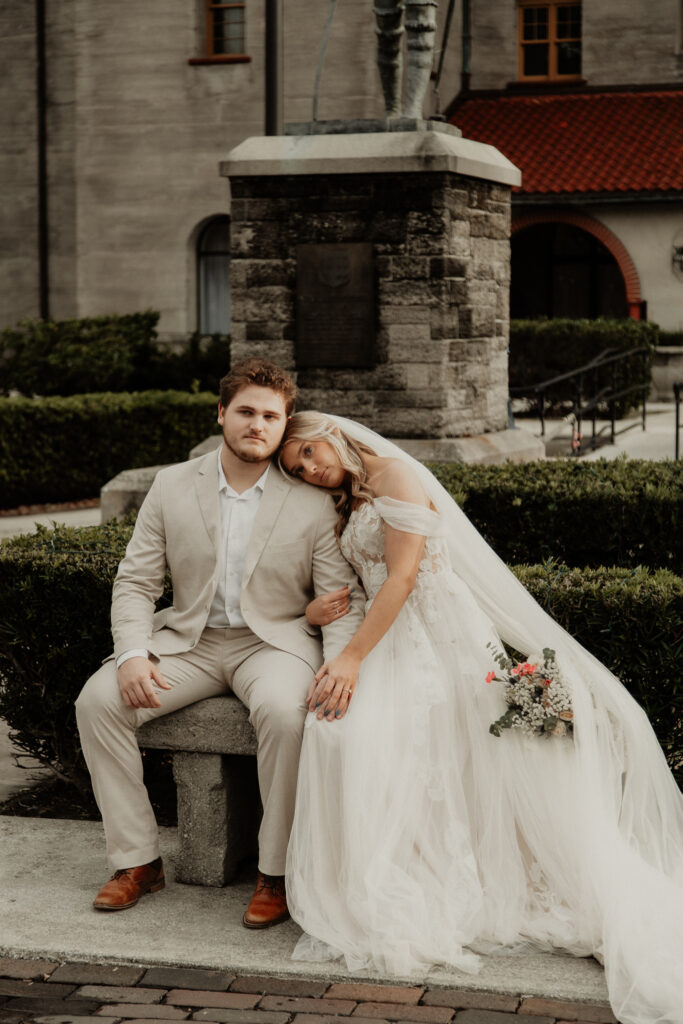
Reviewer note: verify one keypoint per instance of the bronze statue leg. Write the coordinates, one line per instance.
(389, 29)
(420, 33)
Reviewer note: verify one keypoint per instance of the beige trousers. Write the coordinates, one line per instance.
(271, 683)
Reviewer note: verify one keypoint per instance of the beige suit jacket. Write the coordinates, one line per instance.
(292, 556)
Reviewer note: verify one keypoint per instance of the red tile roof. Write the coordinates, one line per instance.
(587, 142)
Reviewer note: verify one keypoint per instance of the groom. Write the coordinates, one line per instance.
(247, 549)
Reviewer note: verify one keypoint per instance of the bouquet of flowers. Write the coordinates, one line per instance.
(537, 697)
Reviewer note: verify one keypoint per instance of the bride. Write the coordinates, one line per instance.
(420, 838)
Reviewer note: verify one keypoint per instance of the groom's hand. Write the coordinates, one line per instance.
(137, 678)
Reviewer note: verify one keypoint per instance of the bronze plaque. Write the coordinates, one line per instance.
(335, 305)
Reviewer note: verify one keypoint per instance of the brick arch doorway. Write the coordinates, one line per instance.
(567, 264)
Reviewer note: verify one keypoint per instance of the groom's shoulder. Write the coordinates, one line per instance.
(181, 472)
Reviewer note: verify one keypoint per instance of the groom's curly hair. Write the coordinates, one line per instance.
(262, 373)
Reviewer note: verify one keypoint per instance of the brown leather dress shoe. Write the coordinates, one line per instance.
(125, 887)
(268, 905)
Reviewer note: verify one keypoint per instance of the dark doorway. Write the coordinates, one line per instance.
(559, 270)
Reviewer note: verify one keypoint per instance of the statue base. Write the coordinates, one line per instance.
(372, 124)
(376, 265)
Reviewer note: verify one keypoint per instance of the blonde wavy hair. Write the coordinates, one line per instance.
(315, 426)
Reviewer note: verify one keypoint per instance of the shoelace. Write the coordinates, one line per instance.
(276, 885)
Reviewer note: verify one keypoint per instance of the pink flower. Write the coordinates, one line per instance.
(490, 677)
(527, 669)
(548, 682)
(516, 671)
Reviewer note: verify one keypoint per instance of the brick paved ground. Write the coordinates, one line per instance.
(48, 992)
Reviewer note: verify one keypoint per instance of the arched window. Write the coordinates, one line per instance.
(559, 270)
(213, 277)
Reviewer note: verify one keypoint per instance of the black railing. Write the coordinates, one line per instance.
(588, 379)
(678, 388)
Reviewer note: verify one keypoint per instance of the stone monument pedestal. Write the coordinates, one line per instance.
(412, 343)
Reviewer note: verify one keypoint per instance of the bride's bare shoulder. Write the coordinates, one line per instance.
(392, 478)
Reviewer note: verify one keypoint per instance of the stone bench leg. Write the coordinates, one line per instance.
(218, 815)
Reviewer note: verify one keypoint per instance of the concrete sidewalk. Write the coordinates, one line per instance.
(51, 871)
(657, 441)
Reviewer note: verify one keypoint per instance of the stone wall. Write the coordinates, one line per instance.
(18, 164)
(441, 247)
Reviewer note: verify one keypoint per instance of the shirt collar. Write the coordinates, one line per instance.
(224, 486)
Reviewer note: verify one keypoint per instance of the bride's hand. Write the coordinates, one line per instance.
(329, 607)
(332, 688)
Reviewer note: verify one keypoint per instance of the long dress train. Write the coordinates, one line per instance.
(418, 836)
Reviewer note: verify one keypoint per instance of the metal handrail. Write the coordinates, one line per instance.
(678, 388)
(608, 357)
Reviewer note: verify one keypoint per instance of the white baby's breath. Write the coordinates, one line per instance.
(537, 696)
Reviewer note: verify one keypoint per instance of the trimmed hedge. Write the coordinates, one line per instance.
(106, 353)
(59, 449)
(624, 512)
(632, 620)
(541, 349)
(55, 591)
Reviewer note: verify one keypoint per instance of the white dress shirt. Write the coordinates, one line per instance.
(237, 514)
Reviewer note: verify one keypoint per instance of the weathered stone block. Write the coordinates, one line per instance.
(267, 209)
(407, 293)
(477, 321)
(427, 397)
(404, 315)
(430, 351)
(262, 273)
(217, 824)
(126, 491)
(447, 266)
(280, 352)
(264, 330)
(489, 225)
(407, 332)
(415, 422)
(274, 301)
(488, 250)
(386, 377)
(445, 323)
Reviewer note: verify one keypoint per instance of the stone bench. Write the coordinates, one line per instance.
(214, 767)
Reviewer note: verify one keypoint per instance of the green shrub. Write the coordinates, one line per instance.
(632, 621)
(542, 349)
(106, 353)
(67, 357)
(55, 591)
(197, 365)
(622, 512)
(58, 449)
(49, 646)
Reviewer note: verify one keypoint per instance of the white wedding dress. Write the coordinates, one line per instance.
(420, 838)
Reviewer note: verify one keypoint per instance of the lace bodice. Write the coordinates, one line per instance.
(362, 542)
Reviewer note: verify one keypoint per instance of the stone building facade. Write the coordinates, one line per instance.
(137, 119)
(587, 100)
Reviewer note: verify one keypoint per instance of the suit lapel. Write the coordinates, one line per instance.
(274, 493)
(207, 495)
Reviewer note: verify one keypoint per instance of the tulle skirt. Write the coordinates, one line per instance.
(420, 839)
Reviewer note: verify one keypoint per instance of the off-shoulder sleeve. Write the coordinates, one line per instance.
(409, 517)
